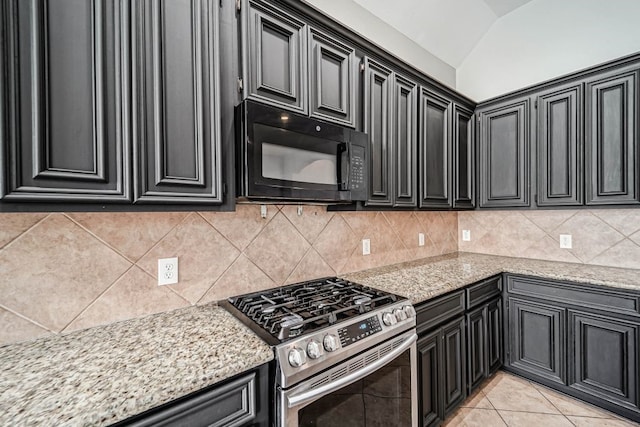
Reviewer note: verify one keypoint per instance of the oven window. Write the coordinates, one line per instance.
(294, 164)
(381, 399)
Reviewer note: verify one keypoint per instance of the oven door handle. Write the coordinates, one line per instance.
(307, 395)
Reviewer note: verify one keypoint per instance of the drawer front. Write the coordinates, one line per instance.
(586, 296)
(484, 291)
(438, 310)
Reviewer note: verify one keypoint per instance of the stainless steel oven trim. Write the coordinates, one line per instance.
(292, 400)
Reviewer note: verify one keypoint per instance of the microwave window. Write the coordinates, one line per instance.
(294, 164)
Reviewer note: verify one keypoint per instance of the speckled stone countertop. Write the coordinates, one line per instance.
(106, 374)
(426, 278)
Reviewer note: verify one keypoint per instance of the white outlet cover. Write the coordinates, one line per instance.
(420, 239)
(565, 241)
(167, 271)
(466, 235)
(366, 247)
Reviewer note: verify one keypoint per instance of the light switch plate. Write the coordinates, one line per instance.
(565, 241)
(167, 271)
(366, 247)
(466, 235)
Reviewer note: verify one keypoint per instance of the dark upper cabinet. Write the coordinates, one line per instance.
(64, 90)
(560, 146)
(176, 114)
(537, 339)
(378, 81)
(611, 140)
(435, 151)
(604, 359)
(463, 158)
(503, 154)
(404, 152)
(331, 84)
(275, 56)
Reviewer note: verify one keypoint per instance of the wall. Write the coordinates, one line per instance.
(609, 237)
(369, 26)
(67, 271)
(545, 39)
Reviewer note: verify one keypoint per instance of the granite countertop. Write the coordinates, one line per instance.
(427, 278)
(106, 374)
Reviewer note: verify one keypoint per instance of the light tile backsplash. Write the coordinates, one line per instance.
(609, 237)
(62, 272)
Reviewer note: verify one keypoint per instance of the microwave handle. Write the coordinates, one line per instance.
(344, 166)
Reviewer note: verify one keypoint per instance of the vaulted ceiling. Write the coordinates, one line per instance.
(449, 29)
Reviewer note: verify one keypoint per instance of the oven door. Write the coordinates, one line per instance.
(375, 388)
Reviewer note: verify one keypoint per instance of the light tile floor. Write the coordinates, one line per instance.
(507, 400)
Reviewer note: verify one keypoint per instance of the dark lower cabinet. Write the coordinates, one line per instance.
(64, 124)
(442, 371)
(537, 336)
(604, 359)
(580, 339)
(242, 401)
(176, 128)
(484, 338)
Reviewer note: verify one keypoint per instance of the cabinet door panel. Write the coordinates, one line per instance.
(560, 147)
(275, 57)
(477, 351)
(611, 161)
(331, 88)
(405, 141)
(435, 145)
(463, 169)
(65, 90)
(494, 336)
(377, 124)
(429, 366)
(454, 356)
(177, 110)
(537, 339)
(504, 156)
(605, 359)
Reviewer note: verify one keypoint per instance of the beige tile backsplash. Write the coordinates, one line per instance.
(62, 272)
(608, 237)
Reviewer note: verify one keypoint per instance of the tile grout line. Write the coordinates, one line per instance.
(22, 316)
(19, 236)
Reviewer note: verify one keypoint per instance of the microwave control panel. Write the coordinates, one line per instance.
(358, 176)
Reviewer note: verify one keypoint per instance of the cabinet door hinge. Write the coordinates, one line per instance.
(535, 104)
(224, 189)
(238, 5)
(240, 85)
(362, 67)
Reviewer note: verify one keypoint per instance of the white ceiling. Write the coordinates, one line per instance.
(449, 29)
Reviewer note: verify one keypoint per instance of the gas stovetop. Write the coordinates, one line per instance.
(314, 325)
(291, 311)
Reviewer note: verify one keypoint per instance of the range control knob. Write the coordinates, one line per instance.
(400, 314)
(297, 357)
(389, 319)
(409, 311)
(314, 349)
(331, 342)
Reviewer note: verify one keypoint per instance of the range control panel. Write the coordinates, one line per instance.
(360, 330)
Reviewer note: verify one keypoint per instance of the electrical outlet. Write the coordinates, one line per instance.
(263, 211)
(565, 241)
(466, 235)
(420, 239)
(366, 247)
(167, 271)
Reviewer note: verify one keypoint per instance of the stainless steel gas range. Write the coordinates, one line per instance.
(345, 353)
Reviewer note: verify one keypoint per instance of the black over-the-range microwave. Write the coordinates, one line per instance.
(289, 157)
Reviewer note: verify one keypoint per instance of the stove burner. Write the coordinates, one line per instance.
(292, 310)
